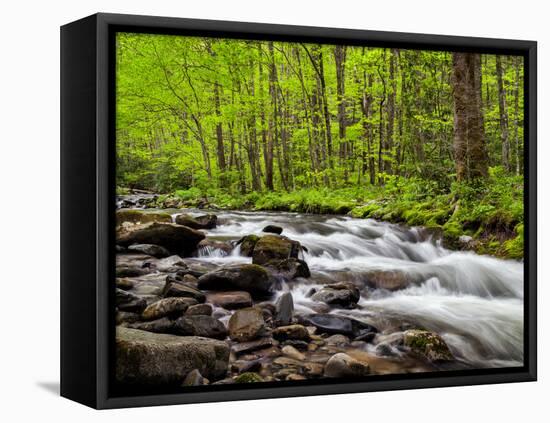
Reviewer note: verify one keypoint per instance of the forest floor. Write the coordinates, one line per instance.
(487, 218)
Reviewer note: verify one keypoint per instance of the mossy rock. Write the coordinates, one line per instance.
(139, 217)
(248, 377)
(274, 247)
(247, 244)
(428, 344)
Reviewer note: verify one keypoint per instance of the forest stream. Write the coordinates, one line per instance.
(405, 280)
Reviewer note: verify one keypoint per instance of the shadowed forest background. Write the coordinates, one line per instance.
(425, 138)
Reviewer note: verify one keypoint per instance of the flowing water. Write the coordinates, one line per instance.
(474, 302)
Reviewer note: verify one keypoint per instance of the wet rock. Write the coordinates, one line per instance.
(145, 358)
(230, 300)
(290, 268)
(244, 347)
(365, 337)
(209, 246)
(342, 365)
(176, 238)
(199, 310)
(296, 343)
(248, 377)
(273, 229)
(292, 352)
(297, 332)
(138, 217)
(168, 307)
(125, 301)
(247, 324)
(150, 249)
(390, 280)
(126, 317)
(124, 284)
(206, 221)
(284, 310)
(162, 325)
(428, 344)
(343, 294)
(243, 366)
(130, 271)
(290, 366)
(274, 247)
(247, 244)
(194, 378)
(173, 288)
(172, 264)
(295, 376)
(199, 325)
(247, 277)
(384, 350)
(333, 324)
(339, 340)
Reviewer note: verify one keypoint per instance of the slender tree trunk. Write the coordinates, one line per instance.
(340, 62)
(469, 144)
(272, 125)
(516, 114)
(503, 116)
(219, 134)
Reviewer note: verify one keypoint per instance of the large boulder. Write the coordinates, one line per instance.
(168, 307)
(230, 300)
(247, 244)
(176, 238)
(125, 217)
(333, 324)
(428, 344)
(247, 277)
(274, 247)
(206, 221)
(343, 294)
(342, 365)
(162, 325)
(149, 359)
(289, 268)
(273, 229)
(200, 325)
(247, 324)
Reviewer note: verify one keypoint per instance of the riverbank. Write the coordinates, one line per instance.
(487, 219)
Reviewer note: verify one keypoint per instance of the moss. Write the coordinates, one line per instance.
(141, 216)
(248, 377)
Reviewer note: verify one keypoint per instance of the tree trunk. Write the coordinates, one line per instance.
(340, 62)
(469, 144)
(503, 116)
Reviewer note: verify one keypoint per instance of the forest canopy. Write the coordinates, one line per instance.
(428, 138)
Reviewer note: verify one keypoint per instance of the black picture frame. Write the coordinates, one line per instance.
(88, 195)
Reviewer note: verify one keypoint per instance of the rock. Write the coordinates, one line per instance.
(384, 350)
(173, 263)
(248, 377)
(247, 324)
(273, 229)
(206, 221)
(343, 294)
(144, 358)
(289, 268)
(297, 332)
(299, 345)
(292, 352)
(428, 344)
(337, 340)
(210, 247)
(332, 324)
(176, 238)
(126, 317)
(162, 325)
(342, 365)
(200, 325)
(194, 378)
(243, 366)
(284, 310)
(247, 244)
(124, 284)
(173, 288)
(247, 277)
(168, 307)
(230, 300)
(390, 280)
(150, 249)
(138, 217)
(274, 247)
(199, 310)
(295, 376)
(130, 271)
(248, 346)
(125, 301)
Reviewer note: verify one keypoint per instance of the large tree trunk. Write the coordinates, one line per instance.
(503, 114)
(469, 144)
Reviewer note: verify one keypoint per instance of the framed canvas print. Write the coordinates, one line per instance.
(256, 211)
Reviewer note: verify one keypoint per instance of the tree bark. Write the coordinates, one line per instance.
(503, 116)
